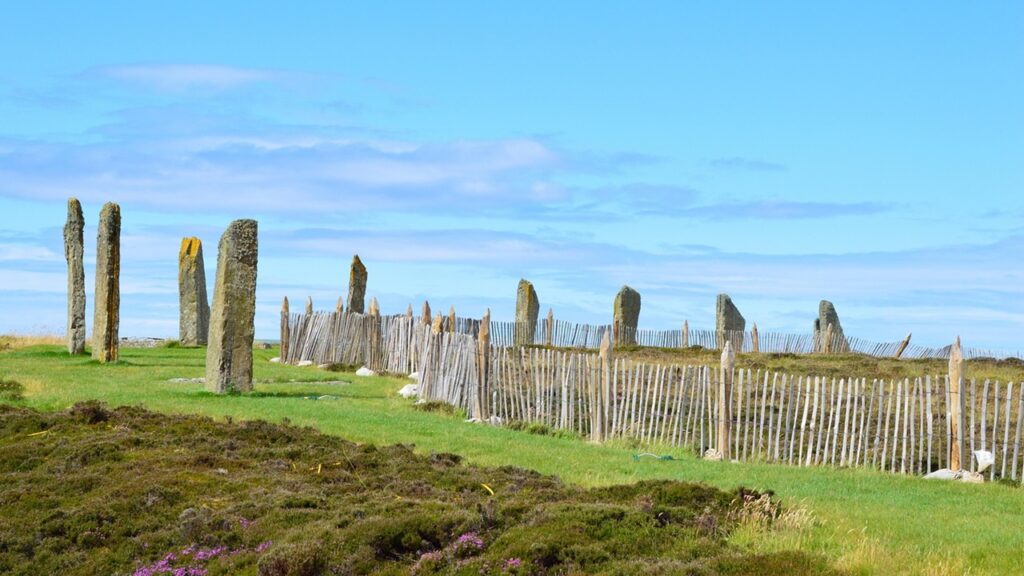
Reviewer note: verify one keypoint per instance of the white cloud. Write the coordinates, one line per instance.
(178, 77)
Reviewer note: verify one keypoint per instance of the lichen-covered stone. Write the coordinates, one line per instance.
(73, 250)
(107, 309)
(626, 315)
(527, 309)
(729, 323)
(357, 286)
(193, 304)
(827, 315)
(229, 352)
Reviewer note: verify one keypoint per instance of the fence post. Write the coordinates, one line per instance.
(903, 346)
(451, 319)
(340, 307)
(483, 357)
(375, 361)
(956, 418)
(754, 340)
(724, 405)
(604, 390)
(686, 334)
(550, 334)
(285, 333)
(309, 305)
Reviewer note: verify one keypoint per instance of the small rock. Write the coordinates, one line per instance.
(961, 475)
(276, 360)
(409, 391)
(327, 397)
(187, 380)
(305, 363)
(364, 371)
(713, 454)
(415, 376)
(221, 471)
(474, 421)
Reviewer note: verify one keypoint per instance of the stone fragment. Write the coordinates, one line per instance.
(229, 352)
(729, 323)
(357, 286)
(107, 293)
(837, 343)
(193, 305)
(409, 391)
(626, 316)
(527, 309)
(73, 250)
(364, 371)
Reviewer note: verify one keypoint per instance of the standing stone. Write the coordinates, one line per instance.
(73, 249)
(193, 306)
(527, 309)
(309, 305)
(229, 353)
(827, 315)
(626, 316)
(729, 323)
(357, 286)
(107, 292)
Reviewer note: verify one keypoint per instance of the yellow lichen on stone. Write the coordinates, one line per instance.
(189, 247)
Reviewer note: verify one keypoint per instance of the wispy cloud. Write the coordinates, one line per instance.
(783, 210)
(746, 164)
(181, 77)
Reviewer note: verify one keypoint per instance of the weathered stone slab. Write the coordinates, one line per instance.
(73, 250)
(827, 315)
(357, 286)
(729, 323)
(229, 353)
(193, 305)
(107, 292)
(626, 315)
(527, 309)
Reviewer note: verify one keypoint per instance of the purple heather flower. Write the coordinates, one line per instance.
(263, 546)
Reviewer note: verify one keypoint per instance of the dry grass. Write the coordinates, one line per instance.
(15, 341)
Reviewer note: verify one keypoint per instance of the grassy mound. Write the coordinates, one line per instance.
(94, 490)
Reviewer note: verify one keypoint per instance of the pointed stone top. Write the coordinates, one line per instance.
(956, 353)
(74, 209)
(426, 312)
(408, 311)
(438, 326)
(357, 263)
(374, 307)
(284, 304)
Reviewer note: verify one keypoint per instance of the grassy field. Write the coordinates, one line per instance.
(864, 522)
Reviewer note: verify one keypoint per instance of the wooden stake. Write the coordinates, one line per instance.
(956, 368)
(903, 346)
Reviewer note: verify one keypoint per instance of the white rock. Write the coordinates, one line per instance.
(276, 359)
(305, 363)
(961, 475)
(364, 371)
(712, 454)
(409, 391)
(985, 459)
(415, 376)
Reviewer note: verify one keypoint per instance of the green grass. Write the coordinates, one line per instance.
(866, 522)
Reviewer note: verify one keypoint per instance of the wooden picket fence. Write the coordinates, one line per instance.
(901, 426)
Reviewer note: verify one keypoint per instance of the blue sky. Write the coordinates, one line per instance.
(783, 152)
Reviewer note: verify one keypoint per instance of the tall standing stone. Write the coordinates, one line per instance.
(527, 309)
(229, 353)
(729, 323)
(827, 315)
(73, 250)
(107, 292)
(626, 316)
(193, 305)
(357, 286)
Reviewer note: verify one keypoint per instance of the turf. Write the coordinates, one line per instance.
(863, 521)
